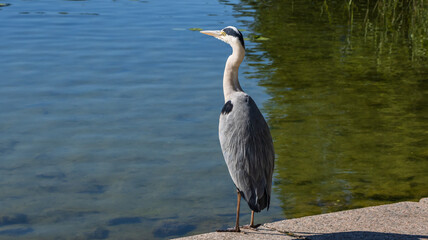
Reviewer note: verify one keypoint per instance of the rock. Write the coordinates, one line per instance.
(16, 231)
(99, 233)
(124, 220)
(172, 228)
(15, 219)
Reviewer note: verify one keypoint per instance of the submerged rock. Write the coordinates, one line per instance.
(14, 219)
(99, 233)
(124, 220)
(16, 231)
(172, 228)
(94, 189)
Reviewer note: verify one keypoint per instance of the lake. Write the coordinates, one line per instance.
(109, 112)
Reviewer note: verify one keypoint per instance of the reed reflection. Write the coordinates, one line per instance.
(348, 107)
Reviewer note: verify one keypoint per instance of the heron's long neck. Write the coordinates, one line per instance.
(230, 77)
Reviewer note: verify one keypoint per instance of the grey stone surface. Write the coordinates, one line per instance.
(404, 220)
(262, 233)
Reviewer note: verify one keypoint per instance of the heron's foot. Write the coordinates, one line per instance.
(252, 227)
(230, 230)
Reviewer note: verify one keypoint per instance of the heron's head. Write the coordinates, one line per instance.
(230, 35)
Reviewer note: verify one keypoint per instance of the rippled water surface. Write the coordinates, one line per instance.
(109, 113)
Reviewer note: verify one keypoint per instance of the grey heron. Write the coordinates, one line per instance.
(244, 135)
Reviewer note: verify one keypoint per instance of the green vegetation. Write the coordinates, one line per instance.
(195, 29)
(386, 22)
(348, 108)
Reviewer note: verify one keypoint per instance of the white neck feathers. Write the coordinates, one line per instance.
(230, 77)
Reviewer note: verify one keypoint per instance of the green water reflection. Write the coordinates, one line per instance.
(348, 108)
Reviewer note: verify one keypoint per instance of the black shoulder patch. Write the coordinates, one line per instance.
(227, 108)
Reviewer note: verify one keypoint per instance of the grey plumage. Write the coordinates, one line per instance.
(244, 134)
(248, 150)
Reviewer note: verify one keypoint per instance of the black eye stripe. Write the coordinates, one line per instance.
(232, 32)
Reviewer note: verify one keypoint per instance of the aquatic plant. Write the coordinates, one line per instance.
(347, 82)
(387, 22)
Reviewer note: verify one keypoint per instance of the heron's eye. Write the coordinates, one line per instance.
(223, 33)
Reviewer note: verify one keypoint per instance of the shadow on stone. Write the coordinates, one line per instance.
(358, 235)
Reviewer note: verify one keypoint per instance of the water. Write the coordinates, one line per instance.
(349, 102)
(109, 114)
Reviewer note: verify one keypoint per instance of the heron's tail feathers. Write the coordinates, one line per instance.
(258, 203)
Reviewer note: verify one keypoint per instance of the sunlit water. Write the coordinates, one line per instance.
(109, 113)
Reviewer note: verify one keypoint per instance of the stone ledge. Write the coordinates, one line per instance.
(404, 221)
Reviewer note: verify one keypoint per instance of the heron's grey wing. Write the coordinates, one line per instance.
(248, 150)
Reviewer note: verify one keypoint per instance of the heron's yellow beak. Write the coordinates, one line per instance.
(216, 33)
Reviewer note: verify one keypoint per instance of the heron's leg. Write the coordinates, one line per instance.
(236, 229)
(252, 221)
(237, 212)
